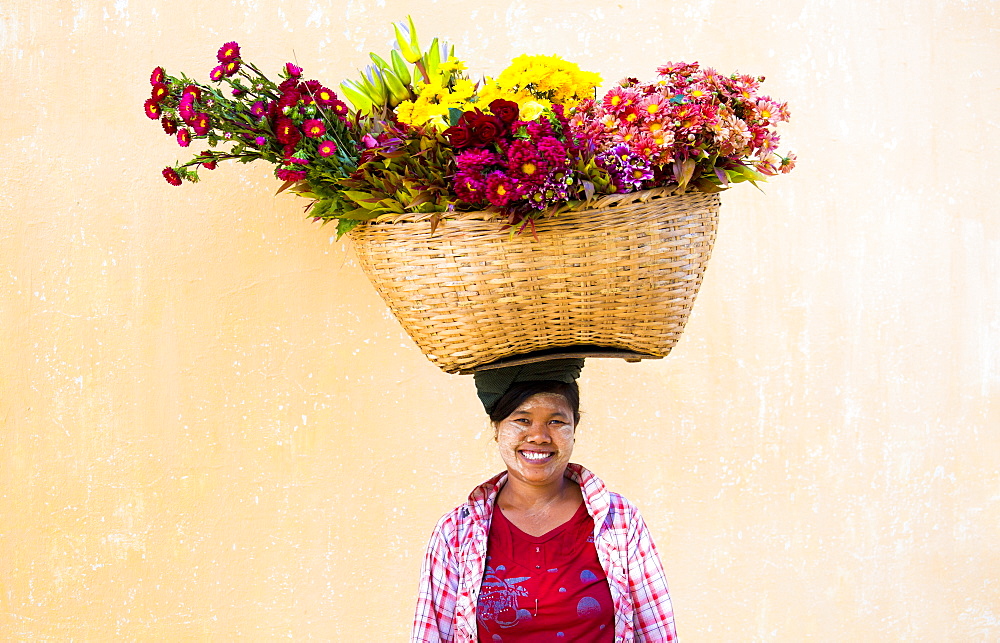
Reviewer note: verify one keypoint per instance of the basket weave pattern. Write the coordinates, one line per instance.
(621, 274)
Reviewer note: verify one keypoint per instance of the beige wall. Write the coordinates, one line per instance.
(212, 429)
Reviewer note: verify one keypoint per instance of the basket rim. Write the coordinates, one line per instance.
(607, 201)
(567, 352)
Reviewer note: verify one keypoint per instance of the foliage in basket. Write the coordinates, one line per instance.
(421, 136)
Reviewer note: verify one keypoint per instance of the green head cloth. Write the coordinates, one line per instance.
(492, 383)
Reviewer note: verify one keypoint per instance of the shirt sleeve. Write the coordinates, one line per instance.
(435, 615)
(653, 615)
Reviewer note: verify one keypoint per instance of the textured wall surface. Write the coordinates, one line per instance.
(211, 428)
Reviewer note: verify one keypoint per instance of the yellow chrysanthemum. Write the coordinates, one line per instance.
(547, 78)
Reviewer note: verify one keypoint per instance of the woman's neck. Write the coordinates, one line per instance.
(525, 497)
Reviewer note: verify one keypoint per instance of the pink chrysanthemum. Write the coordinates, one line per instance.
(327, 148)
(643, 146)
(788, 163)
(158, 76)
(228, 51)
(617, 99)
(653, 106)
(200, 123)
(153, 109)
(169, 125)
(258, 109)
(217, 73)
(293, 70)
(183, 137)
(314, 128)
(170, 174)
(500, 189)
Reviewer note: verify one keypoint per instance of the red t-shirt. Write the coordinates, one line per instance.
(544, 588)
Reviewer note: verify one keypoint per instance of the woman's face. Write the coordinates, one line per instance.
(536, 440)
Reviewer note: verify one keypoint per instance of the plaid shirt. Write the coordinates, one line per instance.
(456, 557)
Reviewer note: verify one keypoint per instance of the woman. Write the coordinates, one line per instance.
(542, 551)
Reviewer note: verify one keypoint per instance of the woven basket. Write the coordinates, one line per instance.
(620, 276)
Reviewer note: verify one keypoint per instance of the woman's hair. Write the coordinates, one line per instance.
(519, 392)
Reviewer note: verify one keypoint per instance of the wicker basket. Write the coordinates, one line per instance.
(620, 277)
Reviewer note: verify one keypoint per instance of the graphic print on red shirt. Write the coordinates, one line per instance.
(544, 588)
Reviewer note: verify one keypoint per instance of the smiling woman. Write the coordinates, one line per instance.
(542, 550)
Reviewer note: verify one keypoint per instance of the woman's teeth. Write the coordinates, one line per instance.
(535, 455)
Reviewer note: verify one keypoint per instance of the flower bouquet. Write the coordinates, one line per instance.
(425, 166)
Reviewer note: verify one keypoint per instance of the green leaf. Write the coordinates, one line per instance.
(364, 199)
(454, 115)
(346, 225)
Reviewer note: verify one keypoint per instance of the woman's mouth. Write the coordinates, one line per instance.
(537, 456)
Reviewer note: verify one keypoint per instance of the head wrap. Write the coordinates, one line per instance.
(491, 384)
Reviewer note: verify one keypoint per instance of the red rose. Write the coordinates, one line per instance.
(486, 128)
(459, 136)
(506, 110)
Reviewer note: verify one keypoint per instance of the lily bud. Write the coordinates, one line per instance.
(433, 59)
(397, 91)
(374, 85)
(356, 95)
(399, 66)
(406, 37)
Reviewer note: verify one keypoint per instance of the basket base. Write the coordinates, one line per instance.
(566, 352)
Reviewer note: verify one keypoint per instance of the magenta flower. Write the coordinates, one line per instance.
(293, 70)
(327, 148)
(500, 189)
(217, 74)
(153, 109)
(193, 91)
(475, 161)
(228, 51)
(159, 91)
(200, 123)
(169, 125)
(170, 174)
(314, 128)
(324, 96)
(260, 141)
(550, 149)
(523, 161)
(185, 108)
(470, 188)
(339, 108)
(258, 109)
(157, 76)
(183, 137)
(286, 132)
(290, 175)
(231, 67)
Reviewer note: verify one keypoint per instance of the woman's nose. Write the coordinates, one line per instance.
(538, 432)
